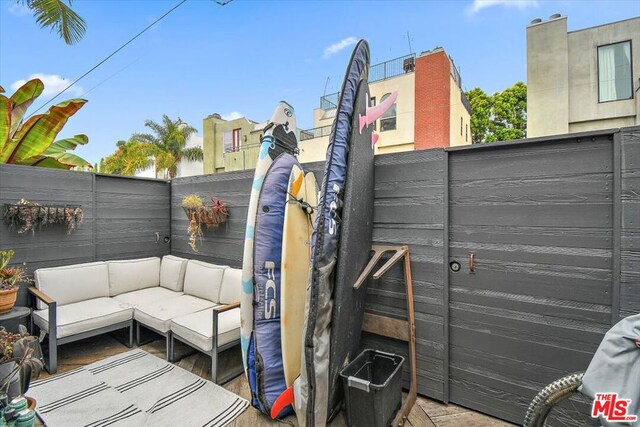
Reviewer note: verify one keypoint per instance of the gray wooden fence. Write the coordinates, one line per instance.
(121, 217)
(552, 224)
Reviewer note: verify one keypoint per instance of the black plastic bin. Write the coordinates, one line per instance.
(372, 385)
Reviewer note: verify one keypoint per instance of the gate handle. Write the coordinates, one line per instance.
(472, 263)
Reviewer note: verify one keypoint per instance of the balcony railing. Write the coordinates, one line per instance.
(382, 71)
(241, 148)
(315, 132)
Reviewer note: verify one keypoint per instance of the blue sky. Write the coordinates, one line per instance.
(246, 56)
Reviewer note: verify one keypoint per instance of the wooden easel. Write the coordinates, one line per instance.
(390, 327)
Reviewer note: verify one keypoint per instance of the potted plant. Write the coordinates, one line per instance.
(20, 361)
(10, 279)
(198, 213)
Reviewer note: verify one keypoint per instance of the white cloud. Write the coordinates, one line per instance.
(232, 115)
(478, 5)
(18, 9)
(53, 84)
(337, 47)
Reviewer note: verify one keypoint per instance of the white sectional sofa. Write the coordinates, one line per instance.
(78, 301)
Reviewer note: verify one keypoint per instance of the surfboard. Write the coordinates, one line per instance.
(299, 217)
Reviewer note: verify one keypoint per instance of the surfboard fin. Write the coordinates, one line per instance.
(285, 399)
(374, 113)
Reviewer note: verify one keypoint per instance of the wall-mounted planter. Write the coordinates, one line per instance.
(27, 216)
(199, 214)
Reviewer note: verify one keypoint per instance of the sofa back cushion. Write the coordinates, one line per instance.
(133, 274)
(231, 286)
(172, 271)
(203, 280)
(73, 283)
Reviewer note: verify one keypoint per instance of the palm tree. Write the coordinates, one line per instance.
(169, 141)
(55, 14)
(130, 158)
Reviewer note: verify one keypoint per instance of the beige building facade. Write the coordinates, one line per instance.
(230, 145)
(431, 109)
(582, 80)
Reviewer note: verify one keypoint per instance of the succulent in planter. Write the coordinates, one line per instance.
(20, 361)
(27, 216)
(10, 279)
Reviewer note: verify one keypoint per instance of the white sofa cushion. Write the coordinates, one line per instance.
(85, 316)
(133, 274)
(172, 271)
(73, 283)
(231, 286)
(158, 315)
(203, 280)
(197, 328)
(148, 295)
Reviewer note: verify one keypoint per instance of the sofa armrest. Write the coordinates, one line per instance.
(216, 313)
(52, 365)
(41, 296)
(223, 308)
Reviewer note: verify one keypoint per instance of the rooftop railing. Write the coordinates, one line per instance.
(382, 71)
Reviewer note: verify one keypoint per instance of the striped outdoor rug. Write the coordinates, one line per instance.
(134, 389)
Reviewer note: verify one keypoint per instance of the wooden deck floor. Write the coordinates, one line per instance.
(425, 413)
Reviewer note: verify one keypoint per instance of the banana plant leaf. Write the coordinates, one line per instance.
(58, 151)
(5, 120)
(45, 162)
(56, 155)
(38, 133)
(22, 99)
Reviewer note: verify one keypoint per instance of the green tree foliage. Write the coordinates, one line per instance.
(169, 141)
(31, 142)
(59, 17)
(499, 117)
(130, 158)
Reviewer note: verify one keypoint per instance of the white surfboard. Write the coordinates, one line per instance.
(296, 254)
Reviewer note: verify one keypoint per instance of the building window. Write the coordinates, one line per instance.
(226, 142)
(372, 103)
(466, 133)
(460, 126)
(237, 135)
(388, 119)
(614, 72)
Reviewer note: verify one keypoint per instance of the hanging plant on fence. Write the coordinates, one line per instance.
(200, 214)
(27, 216)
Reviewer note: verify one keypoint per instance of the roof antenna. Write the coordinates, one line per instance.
(409, 41)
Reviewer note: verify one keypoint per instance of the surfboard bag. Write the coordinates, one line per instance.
(266, 372)
(311, 389)
(264, 352)
(615, 367)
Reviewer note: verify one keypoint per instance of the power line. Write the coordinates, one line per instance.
(107, 58)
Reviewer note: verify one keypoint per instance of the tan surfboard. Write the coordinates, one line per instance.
(296, 254)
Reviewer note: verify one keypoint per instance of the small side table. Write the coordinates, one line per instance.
(15, 314)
